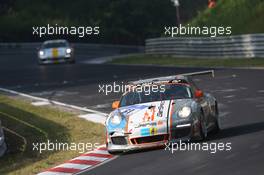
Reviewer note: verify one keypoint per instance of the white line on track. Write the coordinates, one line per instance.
(97, 116)
(40, 103)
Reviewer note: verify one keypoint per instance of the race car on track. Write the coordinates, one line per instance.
(2, 141)
(180, 112)
(55, 51)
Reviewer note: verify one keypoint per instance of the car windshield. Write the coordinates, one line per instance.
(171, 91)
(55, 45)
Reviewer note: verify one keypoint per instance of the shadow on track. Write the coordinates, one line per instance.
(223, 133)
(237, 131)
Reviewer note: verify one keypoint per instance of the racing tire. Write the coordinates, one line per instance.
(216, 122)
(202, 128)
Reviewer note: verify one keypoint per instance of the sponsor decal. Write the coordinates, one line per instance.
(146, 124)
(128, 110)
(153, 131)
(144, 132)
(149, 115)
(149, 131)
(160, 122)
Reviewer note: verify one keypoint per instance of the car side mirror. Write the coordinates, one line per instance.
(198, 94)
(115, 104)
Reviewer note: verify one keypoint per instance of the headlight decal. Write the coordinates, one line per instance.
(115, 119)
(113, 126)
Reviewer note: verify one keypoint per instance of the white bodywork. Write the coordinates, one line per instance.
(55, 51)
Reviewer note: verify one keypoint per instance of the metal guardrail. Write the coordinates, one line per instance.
(241, 46)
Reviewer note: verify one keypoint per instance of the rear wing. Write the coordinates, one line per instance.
(172, 77)
(200, 73)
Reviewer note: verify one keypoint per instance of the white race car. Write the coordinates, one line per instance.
(181, 112)
(55, 51)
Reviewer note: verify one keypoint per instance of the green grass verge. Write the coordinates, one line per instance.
(190, 62)
(243, 16)
(25, 124)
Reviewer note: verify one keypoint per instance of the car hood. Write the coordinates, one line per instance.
(147, 115)
(148, 118)
(55, 52)
(142, 115)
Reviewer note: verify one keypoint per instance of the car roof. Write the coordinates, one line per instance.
(55, 41)
(184, 78)
(163, 80)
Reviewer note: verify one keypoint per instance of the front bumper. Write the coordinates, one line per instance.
(183, 131)
(180, 132)
(129, 147)
(56, 60)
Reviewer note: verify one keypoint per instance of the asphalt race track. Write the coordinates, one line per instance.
(241, 101)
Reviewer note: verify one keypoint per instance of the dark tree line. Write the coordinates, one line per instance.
(120, 21)
(5, 6)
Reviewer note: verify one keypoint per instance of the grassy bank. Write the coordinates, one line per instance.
(25, 124)
(243, 16)
(190, 62)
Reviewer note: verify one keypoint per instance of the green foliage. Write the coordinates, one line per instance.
(121, 21)
(190, 62)
(243, 16)
(125, 21)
